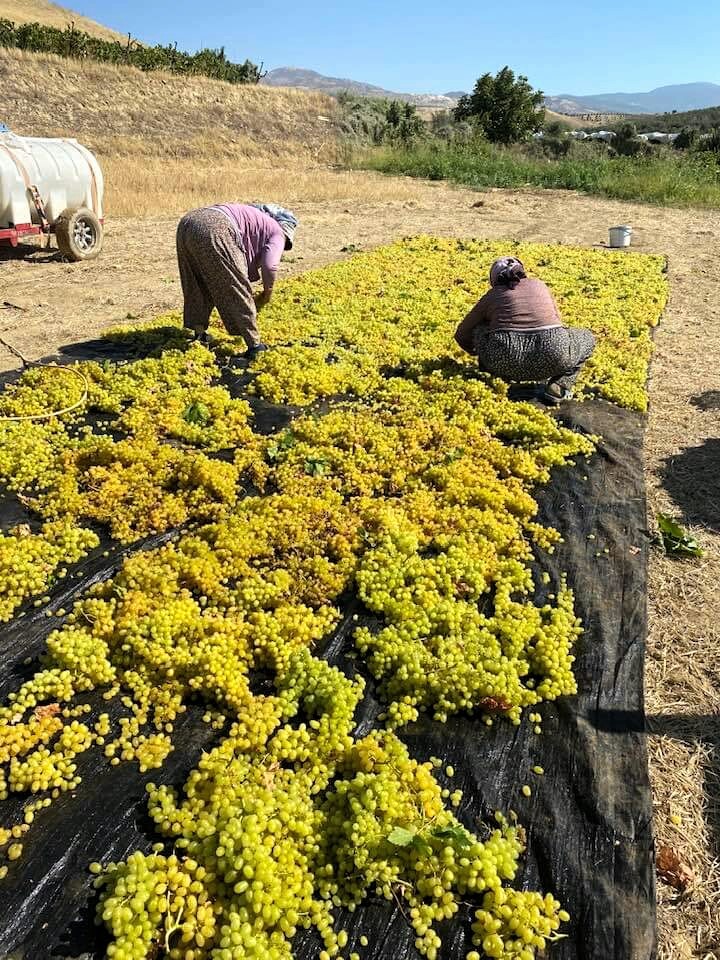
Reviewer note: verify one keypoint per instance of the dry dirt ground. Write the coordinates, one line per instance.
(51, 303)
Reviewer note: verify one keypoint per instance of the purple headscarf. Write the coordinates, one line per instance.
(507, 271)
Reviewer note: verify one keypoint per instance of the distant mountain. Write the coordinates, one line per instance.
(681, 96)
(310, 79)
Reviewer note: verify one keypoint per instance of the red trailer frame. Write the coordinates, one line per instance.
(12, 234)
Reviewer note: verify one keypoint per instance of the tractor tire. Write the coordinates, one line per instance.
(79, 234)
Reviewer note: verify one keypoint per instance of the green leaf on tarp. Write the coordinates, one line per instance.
(285, 441)
(455, 835)
(400, 837)
(197, 413)
(675, 539)
(315, 466)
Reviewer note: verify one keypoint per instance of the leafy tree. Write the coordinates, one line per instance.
(394, 113)
(504, 107)
(402, 122)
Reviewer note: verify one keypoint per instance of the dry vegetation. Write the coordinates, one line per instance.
(167, 144)
(159, 113)
(50, 14)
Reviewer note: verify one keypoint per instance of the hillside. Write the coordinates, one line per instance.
(52, 15)
(123, 109)
(167, 142)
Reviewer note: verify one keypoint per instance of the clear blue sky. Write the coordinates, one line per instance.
(579, 47)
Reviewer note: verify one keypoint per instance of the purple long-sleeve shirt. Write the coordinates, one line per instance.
(260, 237)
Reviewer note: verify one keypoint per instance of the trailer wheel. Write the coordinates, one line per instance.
(79, 234)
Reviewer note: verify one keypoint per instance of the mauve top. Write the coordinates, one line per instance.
(260, 237)
(528, 306)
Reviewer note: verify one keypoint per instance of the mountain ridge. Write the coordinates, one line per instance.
(311, 79)
(664, 99)
(683, 96)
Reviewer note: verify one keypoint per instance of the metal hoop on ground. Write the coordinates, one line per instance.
(34, 363)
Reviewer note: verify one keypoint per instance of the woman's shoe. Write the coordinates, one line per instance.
(554, 394)
(252, 352)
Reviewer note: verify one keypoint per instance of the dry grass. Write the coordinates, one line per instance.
(683, 665)
(167, 143)
(101, 104)
(153, 187)
(574, 123)
(52, 15)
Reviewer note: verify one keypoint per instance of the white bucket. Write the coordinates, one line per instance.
(620, 236)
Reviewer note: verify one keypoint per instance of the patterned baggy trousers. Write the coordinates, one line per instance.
(554, 355)
(214, 273)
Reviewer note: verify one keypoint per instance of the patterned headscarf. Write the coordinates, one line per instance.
(286, 220)
(507, 271)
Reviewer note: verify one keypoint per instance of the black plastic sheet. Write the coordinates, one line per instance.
(588, 820)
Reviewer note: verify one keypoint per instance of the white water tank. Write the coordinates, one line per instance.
(65, 173)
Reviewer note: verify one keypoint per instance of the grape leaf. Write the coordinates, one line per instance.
(315, 466)
(456, 834)
(196, 413)
(675, 539)
(400, 837)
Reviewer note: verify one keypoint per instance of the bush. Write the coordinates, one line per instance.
(37, 38)
(711, 143)
(377, 120)
(626, 143)
(686, 139)
(664, 177)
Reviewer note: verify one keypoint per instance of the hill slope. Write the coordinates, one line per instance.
(702, 120)
(113, 109)
(169, 143)
(52, 15)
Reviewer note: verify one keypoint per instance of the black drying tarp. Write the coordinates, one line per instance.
(588, 820)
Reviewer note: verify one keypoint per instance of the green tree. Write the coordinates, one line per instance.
(69, 42)
(504, 107)
(394, 113)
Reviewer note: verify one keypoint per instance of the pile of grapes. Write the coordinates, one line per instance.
(414, 490)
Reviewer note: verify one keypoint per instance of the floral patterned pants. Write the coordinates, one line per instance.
(554, 355)
(214, 273)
